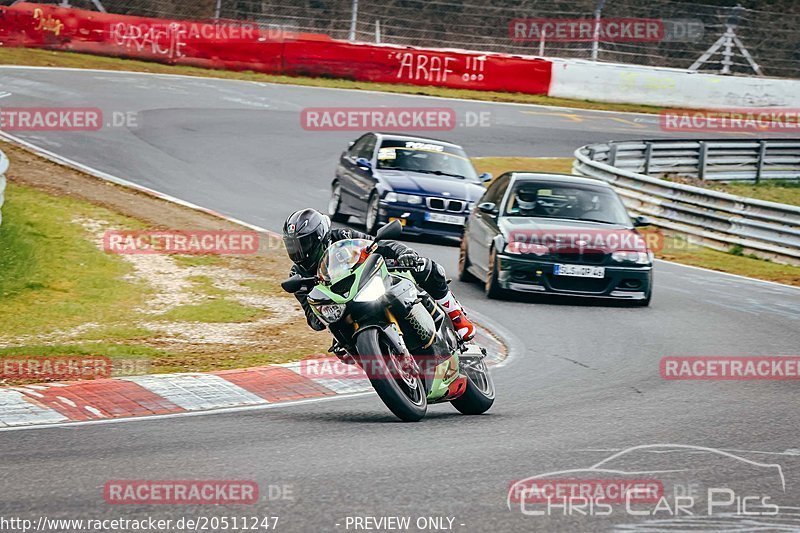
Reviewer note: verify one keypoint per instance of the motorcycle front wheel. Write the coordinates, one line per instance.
(479, 396)
(398, 383)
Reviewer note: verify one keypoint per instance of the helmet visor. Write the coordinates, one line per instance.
(305, 250)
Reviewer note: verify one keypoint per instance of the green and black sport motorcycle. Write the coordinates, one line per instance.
(397, 333)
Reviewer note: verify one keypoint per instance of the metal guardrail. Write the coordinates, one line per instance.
(708, 160)
(3, 168)
(712, 218)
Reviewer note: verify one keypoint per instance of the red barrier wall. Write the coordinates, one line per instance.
(236, 45)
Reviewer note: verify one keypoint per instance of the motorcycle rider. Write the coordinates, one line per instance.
(307, 233)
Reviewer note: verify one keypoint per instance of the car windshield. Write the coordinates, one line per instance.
(426, 157)
(340, 258)
(547, 200)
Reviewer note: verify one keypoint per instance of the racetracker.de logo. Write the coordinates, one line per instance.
(181, 492)
(378, 118)
(584, 240)
(369, 367)
(55, 368)
(615, 30)
(199, 242)
(51, 118)
(730, 120)
(554, 490)
(731, 368)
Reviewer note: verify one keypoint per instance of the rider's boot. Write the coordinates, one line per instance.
(465, 328)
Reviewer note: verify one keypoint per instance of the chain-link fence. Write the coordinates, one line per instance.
(767, 30)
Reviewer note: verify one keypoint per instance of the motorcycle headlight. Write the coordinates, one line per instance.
(624, 256)
(331, 312)
(373, 290)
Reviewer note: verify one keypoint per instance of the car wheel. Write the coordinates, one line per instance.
(646, 301)
(463, 263)
(335, 204)
(373, 208)
(492, 287)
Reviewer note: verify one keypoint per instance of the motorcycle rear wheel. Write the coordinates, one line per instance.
(403, 393)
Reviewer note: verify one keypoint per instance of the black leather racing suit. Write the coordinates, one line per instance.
(432, 278)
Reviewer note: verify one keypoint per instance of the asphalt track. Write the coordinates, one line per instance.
(584, 380)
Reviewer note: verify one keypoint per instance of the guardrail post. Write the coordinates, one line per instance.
(612, 154)
(648, 153)
(702, 155)
(762, 153)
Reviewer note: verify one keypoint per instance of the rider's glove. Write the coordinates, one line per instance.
(409, 260)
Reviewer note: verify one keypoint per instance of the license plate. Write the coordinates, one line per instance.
(579, 271)
(444, 219)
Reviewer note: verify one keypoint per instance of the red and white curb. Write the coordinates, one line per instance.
(169, 394)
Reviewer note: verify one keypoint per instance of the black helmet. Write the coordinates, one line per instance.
(306, 234)
(526, 199)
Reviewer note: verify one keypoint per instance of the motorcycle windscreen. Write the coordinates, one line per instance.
(340, 258)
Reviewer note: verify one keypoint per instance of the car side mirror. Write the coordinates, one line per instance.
(641, 221)
(486, 177)
(364, 163)
(392, 230)
(488, 207)
(350, 144)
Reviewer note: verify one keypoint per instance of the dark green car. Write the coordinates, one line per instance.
(556, 234)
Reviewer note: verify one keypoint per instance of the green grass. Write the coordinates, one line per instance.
(499, 165)
(783, 192)
(198, 260)
(222, 310)
(54, 277)
(35, 57)
(733, 261)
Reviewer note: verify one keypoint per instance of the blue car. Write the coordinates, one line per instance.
(430, 186)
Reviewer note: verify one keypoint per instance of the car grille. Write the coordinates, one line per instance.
(586, 257)
(446, 204)
(568, 283)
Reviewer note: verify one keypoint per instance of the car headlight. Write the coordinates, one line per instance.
(393, 197)
(331, 312)
(409, 198)
(373, 290)
(518, 248)
(626, 256)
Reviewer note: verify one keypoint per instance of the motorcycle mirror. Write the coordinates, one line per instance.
(390, 231)
(293, 284)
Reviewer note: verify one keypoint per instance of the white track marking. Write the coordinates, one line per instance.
(260, 407)
(737, 276)
(196, 392)
(66, 401)
(16, 410)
